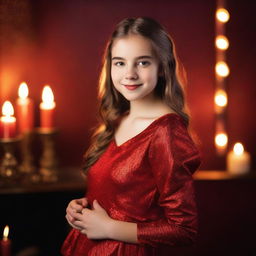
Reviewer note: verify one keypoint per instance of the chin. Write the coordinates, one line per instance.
(130, 98)
(134, 98)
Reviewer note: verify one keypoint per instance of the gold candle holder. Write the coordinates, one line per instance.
(9, 163)
(27, 167)
(48, 160)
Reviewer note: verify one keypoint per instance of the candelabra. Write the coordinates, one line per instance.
(27, 167)
(48, 160)
(9, 165)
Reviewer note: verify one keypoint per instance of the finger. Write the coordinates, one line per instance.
(74, 215)
(79, 224)
(71, 212)
(69, 221)
(79, 215)
(76, 207)
(85, 211)
(96, 205)
(84, 202)
(71, 224)
(70, 218)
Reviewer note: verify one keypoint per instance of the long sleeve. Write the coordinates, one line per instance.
(173, 158)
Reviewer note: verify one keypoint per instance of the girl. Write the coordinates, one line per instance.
(140, 195)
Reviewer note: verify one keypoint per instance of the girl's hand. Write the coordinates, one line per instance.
(75, 206)
(95, 223)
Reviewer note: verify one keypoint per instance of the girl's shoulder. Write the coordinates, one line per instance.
(170, 132)
(169, 125)
(129, 128)
(140, 123)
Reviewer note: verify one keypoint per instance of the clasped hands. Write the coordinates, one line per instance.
(94, 223)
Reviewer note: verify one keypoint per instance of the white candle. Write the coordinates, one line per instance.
(238, 160)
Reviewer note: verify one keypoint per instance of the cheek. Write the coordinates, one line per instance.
(115, 75)
(115, 79)
(151, 77)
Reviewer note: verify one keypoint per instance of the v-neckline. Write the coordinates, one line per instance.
(144, 130)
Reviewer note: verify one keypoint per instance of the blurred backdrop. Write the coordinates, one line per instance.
(61, 43)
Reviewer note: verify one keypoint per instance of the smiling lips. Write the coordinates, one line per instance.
(133, 86)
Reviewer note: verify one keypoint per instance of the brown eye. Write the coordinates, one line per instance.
(143, 63)
(119, 63)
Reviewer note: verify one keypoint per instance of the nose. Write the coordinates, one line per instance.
(131, 73)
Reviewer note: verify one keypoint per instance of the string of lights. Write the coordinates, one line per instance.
(221, 73)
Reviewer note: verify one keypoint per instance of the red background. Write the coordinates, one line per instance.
(60, 43)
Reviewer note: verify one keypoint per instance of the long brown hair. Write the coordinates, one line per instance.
(113, 105)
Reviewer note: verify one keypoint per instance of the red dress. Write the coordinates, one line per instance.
(147, 180)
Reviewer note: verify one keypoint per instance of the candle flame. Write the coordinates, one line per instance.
(7, 109)
(6, 232)
(48, 98)
(47, 95)
(238, 149)
(221, 139)
(23, 91)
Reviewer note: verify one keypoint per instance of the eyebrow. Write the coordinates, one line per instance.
(137, 58)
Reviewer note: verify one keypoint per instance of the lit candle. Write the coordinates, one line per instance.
(238, 160)
(25, 114)
(47, 107)
(7, 121)
(6, 243)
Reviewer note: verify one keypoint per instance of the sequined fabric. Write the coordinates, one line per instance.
(147, 180)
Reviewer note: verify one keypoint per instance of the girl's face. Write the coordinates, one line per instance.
(134, 67)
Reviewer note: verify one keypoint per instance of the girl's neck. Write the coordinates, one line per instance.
(147, 108)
